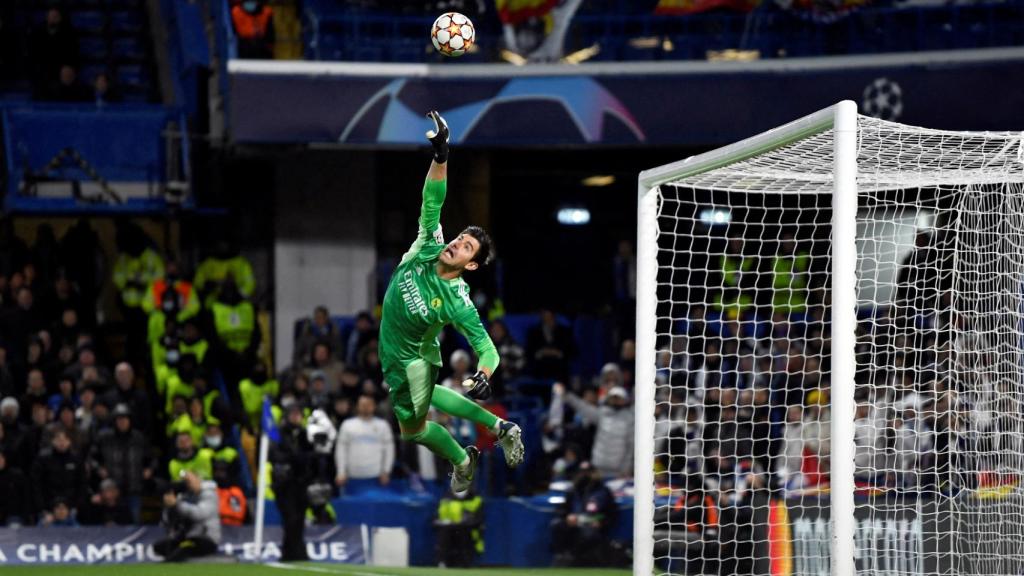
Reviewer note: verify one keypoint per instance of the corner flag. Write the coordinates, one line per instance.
(267, 422)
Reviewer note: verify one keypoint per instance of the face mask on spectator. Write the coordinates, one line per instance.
(250, 6)
(213, 441)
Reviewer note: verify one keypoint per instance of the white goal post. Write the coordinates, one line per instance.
(830, 353)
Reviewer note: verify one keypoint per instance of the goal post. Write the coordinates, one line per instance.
(843, 115)
(830, 353)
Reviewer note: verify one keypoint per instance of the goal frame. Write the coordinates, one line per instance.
(842, 119)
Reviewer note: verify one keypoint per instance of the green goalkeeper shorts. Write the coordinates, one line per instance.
(410, 389)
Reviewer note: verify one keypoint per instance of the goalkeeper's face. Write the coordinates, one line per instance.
(459, 253)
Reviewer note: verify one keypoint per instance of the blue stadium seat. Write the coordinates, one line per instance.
(128, 48)
(126, 22)
(88, 21)
(93, 49)
(133, 76)
(87, 75)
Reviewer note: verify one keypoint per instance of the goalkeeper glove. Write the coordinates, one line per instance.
(438, 137)
(479, 387)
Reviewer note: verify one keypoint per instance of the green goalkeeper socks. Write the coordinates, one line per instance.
(437, 438)
(455, 404)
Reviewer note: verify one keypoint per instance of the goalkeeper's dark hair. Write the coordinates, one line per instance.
(485, 255)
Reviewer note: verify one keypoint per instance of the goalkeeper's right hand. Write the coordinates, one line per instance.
(438, 137)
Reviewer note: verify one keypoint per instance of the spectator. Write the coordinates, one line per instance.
(612, 454)
(318, 329)
(137, 266)
(869, 442)
(53, 45)
(364, 331)
(513, 357)
(58, 473)
(64, 419)
(15, 436)
(549, 346)
(19, 322)
(35, 391)
(366, 446)
(581, 530)
(6, 378)
(125, 392)
(169, 297)
(189, 459)
(106, 508)
(233, 503)
(192, 519)
(790, 269)
(462, 429)
(237, 336)
(225, 261)
(103, 92)
(252, 390)
(123, 454)
(459, 522)
(322, 360)
(16, 505)
(84, 264)
(254, 25)
(566, 466)
(213, 440)
(98, 377)
(370, 369)
(68, 88)
(60, 514)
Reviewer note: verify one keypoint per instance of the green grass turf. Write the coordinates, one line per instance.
(304, 569)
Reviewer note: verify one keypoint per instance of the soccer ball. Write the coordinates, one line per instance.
(452, 34)
(883, 99)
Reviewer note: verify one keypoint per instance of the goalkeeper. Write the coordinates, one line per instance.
(427, 292)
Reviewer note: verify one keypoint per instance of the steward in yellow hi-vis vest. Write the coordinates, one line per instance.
(789, 278)
(459, 529)
(738, 274)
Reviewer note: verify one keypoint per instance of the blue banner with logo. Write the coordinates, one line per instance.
(122, 545)
(663, 103)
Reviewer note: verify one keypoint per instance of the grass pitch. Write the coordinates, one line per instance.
(301, 569)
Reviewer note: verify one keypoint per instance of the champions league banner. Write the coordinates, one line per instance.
(125, 545)
(626, 103)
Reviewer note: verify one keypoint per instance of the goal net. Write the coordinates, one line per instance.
(830, 354)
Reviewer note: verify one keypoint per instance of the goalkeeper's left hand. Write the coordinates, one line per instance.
(438, 137)
(478, 385)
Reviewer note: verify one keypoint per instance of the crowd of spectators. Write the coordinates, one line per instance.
(98, 418)
(91, 432)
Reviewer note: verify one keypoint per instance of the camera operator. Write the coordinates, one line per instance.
(292, 459)
(192, 517)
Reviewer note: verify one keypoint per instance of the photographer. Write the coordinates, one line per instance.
(192, 518)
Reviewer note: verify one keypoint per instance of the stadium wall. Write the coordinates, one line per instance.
(324, 239)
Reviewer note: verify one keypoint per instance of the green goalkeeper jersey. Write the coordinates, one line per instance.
(419, 303)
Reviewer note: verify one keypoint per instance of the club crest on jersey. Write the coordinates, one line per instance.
(435, 303)
(439, 235)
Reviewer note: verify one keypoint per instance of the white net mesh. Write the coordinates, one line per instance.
(742, 437)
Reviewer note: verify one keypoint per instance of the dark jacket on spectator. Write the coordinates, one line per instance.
(58, 475)
(103, 515)
(124, 456)
(17, 500)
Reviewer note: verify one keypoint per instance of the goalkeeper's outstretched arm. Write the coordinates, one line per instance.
(434, 190)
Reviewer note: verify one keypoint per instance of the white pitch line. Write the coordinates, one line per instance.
(321, 570)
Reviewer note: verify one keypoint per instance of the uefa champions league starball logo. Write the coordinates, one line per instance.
(883, 99)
